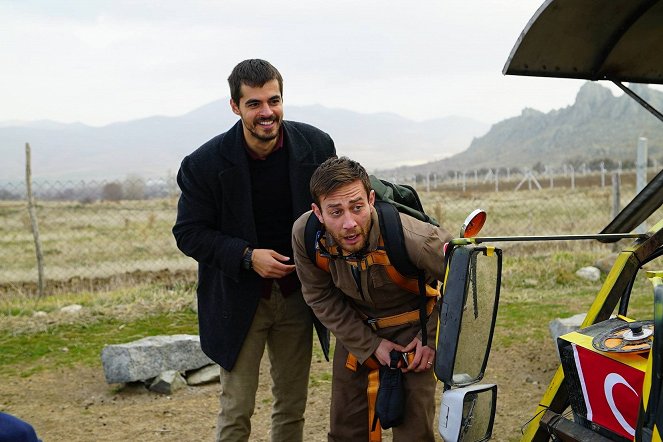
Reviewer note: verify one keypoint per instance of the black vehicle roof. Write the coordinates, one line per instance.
(618, 40)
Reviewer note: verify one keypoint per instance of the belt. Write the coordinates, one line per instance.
(410, 317)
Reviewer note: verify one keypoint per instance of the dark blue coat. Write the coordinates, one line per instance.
(215, 224)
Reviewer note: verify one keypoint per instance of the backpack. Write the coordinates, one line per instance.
(390, 200)
(403, 197)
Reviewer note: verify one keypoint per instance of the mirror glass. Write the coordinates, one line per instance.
(468, 413)
(478, 413)
(478, 316)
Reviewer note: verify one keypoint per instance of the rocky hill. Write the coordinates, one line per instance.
(597, 126)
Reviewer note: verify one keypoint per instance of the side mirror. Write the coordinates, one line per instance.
(467, 314)
(473, 224)
(467, 414)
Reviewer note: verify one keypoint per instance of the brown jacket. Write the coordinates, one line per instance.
(335, 299)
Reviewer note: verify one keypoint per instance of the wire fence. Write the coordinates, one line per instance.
(99, 230)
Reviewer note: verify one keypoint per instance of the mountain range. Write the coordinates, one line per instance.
(153, 147)
(597, 126)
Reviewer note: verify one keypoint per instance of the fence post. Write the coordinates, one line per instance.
(602, 174)
(641, 165)
(616, 202)
(528, 174)
(33, 221)
(641, 174)
(550, 176)
(616, 195)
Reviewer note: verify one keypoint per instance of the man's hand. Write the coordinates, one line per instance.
(424, 356)
(383, 350)
(270, 264)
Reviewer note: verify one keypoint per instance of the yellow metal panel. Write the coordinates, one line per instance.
(634, 360)
(545, 402)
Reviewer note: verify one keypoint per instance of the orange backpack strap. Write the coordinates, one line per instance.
(403, 318)
(374, 429)
(321, 261)
(352, 363)
(312, 233)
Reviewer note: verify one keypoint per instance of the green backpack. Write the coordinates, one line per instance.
(403, 197)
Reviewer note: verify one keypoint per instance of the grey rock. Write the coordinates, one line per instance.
(205, 375)
(589, 273)
(168, 382)
(72, 309)
(531, 282)
(605, 264)
(148, 357)
(559, 326)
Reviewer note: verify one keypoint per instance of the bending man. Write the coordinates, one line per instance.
(350, 299)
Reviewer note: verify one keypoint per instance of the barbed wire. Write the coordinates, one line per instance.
(101, 229)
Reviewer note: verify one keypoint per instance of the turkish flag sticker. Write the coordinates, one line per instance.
(611, 391)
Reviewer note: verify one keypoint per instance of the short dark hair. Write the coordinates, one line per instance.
(334, 173)
(253, 72)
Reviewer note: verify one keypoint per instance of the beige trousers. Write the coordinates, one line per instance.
(284, 325)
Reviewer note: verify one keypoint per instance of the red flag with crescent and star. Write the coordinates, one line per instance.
(611, 390)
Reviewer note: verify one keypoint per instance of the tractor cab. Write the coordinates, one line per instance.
(608, 386)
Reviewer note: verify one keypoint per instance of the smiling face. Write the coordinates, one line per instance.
(261, 111)
(346, 215)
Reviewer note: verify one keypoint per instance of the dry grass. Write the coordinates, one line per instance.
(23, 314)
(103, 239)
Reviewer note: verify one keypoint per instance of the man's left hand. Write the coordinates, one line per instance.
(271, 264)
(424, 356)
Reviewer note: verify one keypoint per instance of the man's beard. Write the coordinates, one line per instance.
(354, 248)
(266, 137)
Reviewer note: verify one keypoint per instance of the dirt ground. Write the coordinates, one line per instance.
(77, 405)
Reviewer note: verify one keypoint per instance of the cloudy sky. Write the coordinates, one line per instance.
(98, 62)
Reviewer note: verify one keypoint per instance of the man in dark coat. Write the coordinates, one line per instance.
(241, 192)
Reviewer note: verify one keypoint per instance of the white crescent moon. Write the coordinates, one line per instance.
(610, 381)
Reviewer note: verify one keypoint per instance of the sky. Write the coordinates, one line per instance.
(98, 62)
